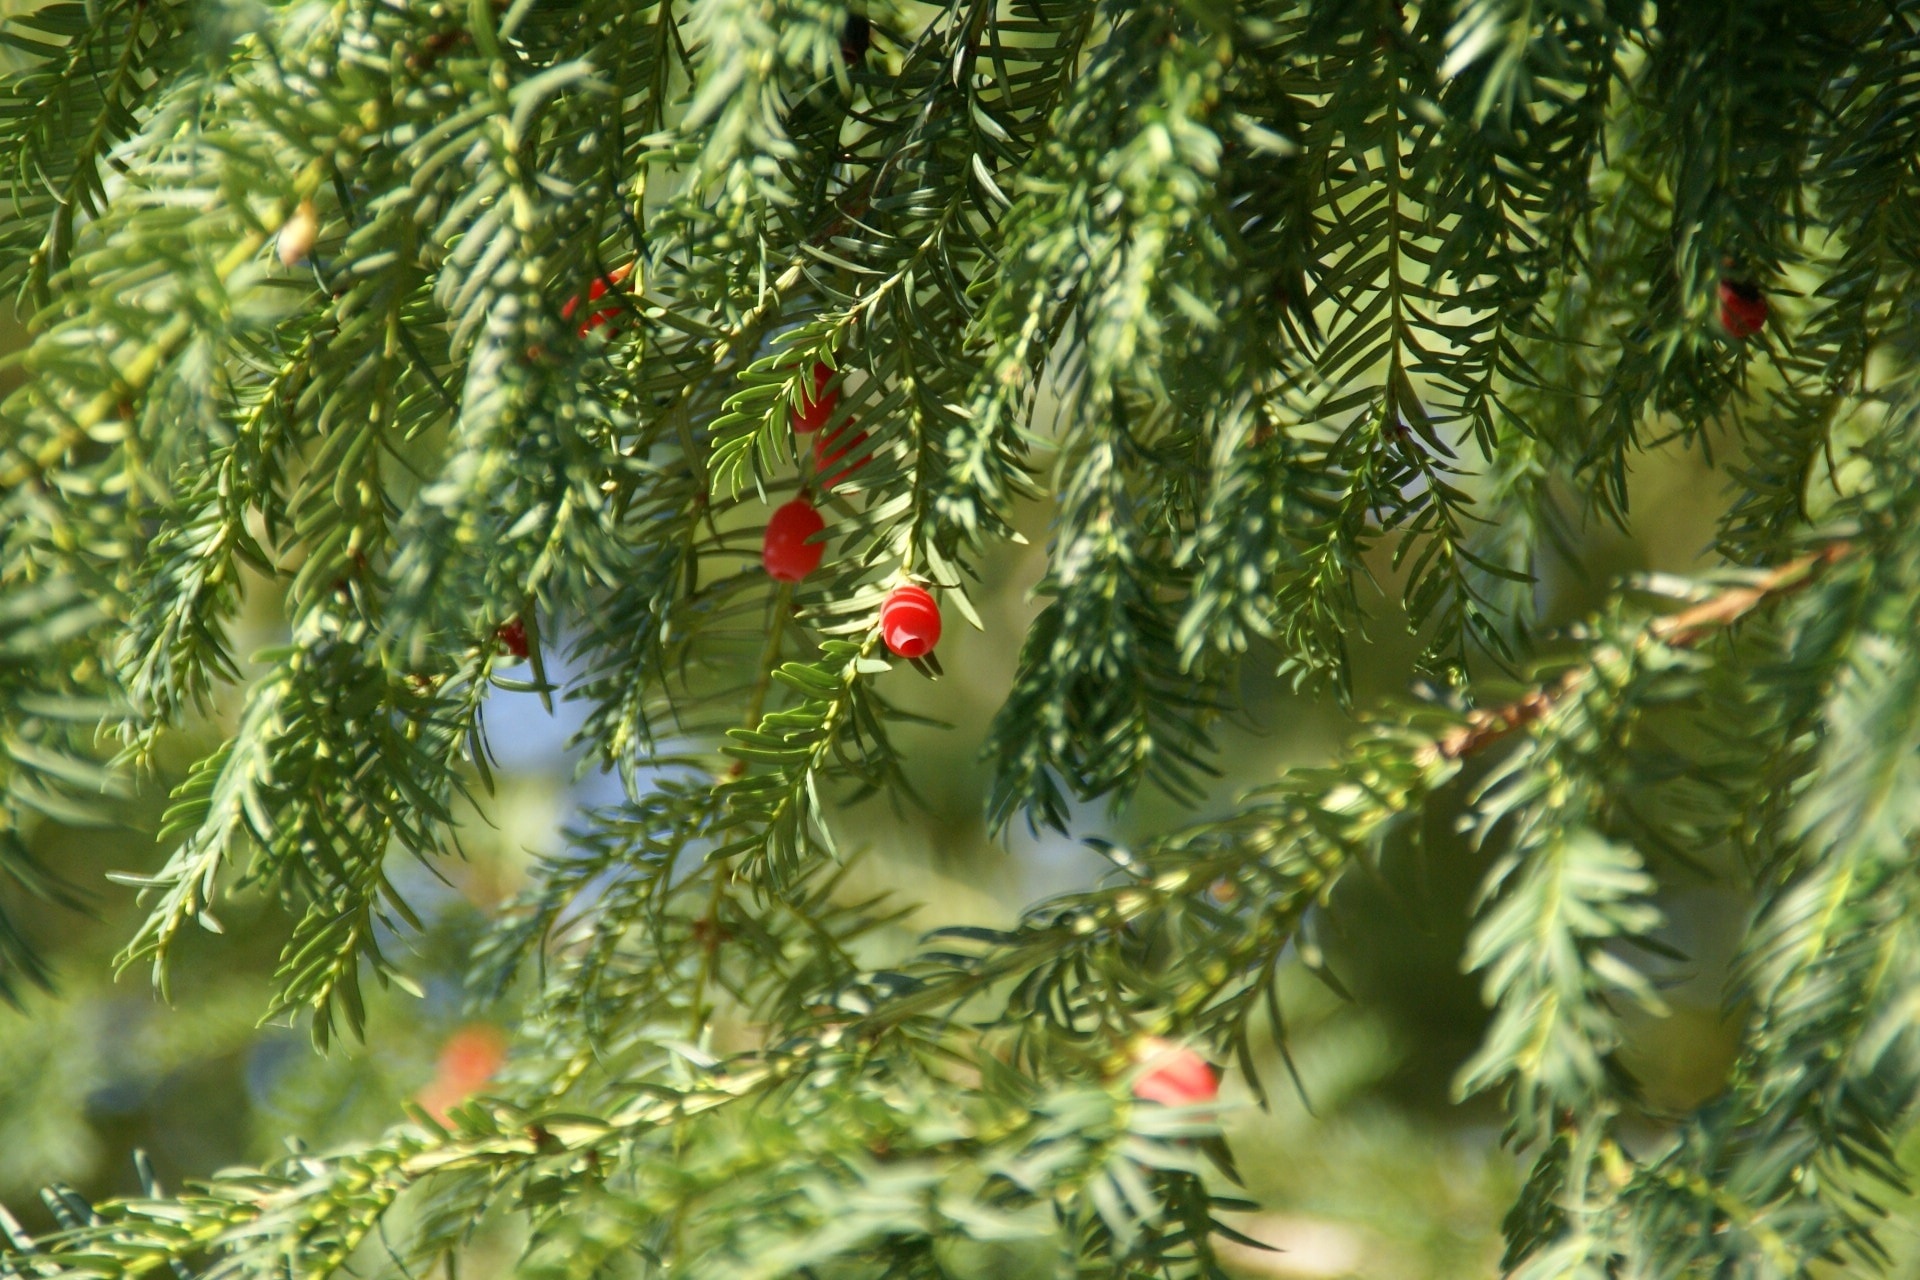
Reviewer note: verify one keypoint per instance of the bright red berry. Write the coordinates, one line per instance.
(1743, 308)
(789, 551)
(815, 409)
(1174, 1075)
(910, 621)
(596, 291)
(512, 636)
(468, 1060)
(829, 447)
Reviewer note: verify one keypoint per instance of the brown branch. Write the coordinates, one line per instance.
(1679, 630)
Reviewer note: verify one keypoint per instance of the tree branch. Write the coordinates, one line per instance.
(1681, 630)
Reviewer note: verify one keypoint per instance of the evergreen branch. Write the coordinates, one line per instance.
(1485, 727)
(1827, 1072)
(1075, 1149)
(90, 74)
(1265, 299)
(48, 769)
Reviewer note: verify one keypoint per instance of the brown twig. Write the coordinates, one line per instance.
(1679, 630)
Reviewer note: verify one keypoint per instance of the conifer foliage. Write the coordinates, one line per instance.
(482, 330)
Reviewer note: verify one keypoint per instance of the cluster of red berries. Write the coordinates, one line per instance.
(829, 447)
(791, 548)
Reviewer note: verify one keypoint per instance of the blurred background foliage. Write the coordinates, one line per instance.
(1370, 1171)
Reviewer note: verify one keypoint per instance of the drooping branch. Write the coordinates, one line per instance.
(1484, 727)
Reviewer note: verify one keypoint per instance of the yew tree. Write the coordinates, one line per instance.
(700, 352)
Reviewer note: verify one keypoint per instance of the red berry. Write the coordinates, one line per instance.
(472, 1054)
(512, 636)
(825, 454)
(1174, 1075)
(595, 292)
(910, 621)
(468, 1060)
(815, 409)
(1743, 308)
(789, 552)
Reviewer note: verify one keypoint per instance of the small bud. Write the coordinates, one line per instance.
(297, 235)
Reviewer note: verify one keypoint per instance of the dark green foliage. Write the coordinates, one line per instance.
(90, 75)
(54, 705)
(1282, 306)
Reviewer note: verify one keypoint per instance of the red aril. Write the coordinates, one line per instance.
(1743, 308)
(815, 409)
(512, 635)
(595, 292)
(788, 551)
(831, 446)
(468, 1059)
(910, 621)
(1174, 1075)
